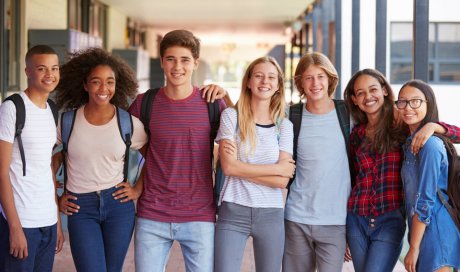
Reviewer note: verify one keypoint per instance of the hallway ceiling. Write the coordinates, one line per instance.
(217, 21)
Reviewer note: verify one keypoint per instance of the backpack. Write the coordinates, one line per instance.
(21, 120)
(125, 126)
(295, 116)
(214, 120)
(453, 185)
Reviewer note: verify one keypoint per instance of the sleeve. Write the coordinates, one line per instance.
(286, 141)
(222, 105)
(135, 108)
(453, 132)
(139, 136)
(354, 145)
(7, 121)
(429, 169)
(228, 124)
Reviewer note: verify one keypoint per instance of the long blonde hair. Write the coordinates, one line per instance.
(246, 122)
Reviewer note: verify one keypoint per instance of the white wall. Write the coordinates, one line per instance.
(448, 96)
(46, 14)
(116, 29)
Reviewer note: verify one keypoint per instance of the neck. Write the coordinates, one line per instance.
(261, 112)
(320, 106)
(178, 92)
(99, 114)
(37, 97)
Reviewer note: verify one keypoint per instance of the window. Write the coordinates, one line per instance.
(443, 52)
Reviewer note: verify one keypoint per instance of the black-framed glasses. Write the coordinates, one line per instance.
(413, 103)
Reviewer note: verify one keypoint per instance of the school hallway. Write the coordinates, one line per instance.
(64, 262)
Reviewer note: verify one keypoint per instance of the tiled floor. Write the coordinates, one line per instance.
(64, 262)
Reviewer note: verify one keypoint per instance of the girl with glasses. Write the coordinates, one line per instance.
(433, 235)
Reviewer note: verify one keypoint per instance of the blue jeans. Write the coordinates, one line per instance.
(41, 244)
(153, 241)
(375, 241)
(235, 224)
(100, 232)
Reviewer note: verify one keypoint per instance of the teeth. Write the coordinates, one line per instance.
(103, 96)
(264, 89)
(370, 103)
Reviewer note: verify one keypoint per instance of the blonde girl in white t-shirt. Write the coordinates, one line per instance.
(255, 147)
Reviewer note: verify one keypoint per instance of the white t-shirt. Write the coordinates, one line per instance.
(34, 194)
(267, 151)
(96, 154)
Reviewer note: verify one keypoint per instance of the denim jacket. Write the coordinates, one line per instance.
(422, 175)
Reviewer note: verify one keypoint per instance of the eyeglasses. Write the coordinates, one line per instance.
(413, 103)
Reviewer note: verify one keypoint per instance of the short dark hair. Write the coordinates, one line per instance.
(39, 50)
(182, 38)
(431, 105)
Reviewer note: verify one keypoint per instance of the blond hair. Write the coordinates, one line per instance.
(246, 122)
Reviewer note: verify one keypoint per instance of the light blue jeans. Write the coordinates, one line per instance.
(153, 241)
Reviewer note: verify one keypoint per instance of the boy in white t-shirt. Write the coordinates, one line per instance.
(30, 230)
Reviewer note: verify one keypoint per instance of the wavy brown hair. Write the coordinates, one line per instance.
(388, 134)
(246, 122)
(70, 93)
(320, 60)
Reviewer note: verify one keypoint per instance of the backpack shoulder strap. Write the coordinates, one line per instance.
(295, 116)
(214, 120)
(54, 110)
(146, 108)
(67, 122)
(19, 125)
(344, 120)
(125, 125)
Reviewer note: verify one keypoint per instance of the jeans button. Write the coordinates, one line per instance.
(372, 220)
(372, 225)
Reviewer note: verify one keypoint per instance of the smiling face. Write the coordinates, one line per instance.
(42, 72)
(315, 83)
(100, 85)
(412, 117)
(178, 65)
(369, 95)
(264, 81)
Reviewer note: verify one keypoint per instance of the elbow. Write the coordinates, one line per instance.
(228, 169)
(283, 183)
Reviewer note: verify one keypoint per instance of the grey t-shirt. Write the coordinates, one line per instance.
(319, 193)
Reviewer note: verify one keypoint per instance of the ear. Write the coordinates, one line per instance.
(27, 71)
(161, 62)
(196, 62)
(85, 86)
(385, 92)
(353, 98)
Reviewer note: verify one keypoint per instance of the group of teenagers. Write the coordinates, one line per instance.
(349, 197)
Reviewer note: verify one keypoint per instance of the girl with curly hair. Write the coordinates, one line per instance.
(97, 200)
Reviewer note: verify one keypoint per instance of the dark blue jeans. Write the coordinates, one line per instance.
(41, 244)
(100, 232)
(375, 241)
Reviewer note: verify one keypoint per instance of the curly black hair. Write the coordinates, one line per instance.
(70, 93)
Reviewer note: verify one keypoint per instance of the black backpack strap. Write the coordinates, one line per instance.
(125, 126)
(19, 126)
(67, 122)
(295, 116)
(54, 110)
(146, 108)
(344, 121)
(214, 120)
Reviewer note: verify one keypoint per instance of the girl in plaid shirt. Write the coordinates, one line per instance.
(376, 217)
